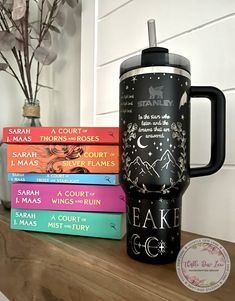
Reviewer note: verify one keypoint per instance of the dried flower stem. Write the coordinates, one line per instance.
(19, 62)
(44, 27)
(13, 72)
(21, 69)
(26, 50)
(39, 43)
(26, 42)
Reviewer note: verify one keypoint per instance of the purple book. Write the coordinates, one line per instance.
(72, 197)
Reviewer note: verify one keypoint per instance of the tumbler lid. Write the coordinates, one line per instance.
(154, 56)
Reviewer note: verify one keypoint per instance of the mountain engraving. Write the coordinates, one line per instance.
(142, 168)
(167, 162)
(159, 168)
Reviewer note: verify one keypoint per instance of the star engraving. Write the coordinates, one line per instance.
(161, 247)
(134, 79)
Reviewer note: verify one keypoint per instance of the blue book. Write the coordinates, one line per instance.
(99, 179)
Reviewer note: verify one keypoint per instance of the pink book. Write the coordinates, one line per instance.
(72, 197)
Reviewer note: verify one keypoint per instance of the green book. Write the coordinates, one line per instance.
(94, 224)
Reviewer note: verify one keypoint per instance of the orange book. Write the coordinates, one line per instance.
(61, 135)
(43, 158)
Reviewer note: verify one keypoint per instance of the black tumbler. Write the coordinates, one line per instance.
(155, 171)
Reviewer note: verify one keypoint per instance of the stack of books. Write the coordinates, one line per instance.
(65, 180)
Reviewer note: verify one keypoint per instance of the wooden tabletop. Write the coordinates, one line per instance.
(38, 267)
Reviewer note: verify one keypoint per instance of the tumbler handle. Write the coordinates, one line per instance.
(217, 99)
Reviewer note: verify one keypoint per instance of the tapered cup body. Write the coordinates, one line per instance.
(155, 158)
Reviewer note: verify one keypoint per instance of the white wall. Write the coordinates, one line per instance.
(201, 30)
(60, 106)
(64, 102)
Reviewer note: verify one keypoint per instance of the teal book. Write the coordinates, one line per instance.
(103, 225)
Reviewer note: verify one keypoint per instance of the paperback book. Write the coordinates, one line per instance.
(69, 197)
(103, 225)
(61, 135)
(86, 178)
(57, 158)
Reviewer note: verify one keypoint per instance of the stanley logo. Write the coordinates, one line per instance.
(155, 98)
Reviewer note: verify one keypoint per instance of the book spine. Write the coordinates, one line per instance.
(68, 197)
(64, 135)
(104, 225)
(42, 158)
(98, 179)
